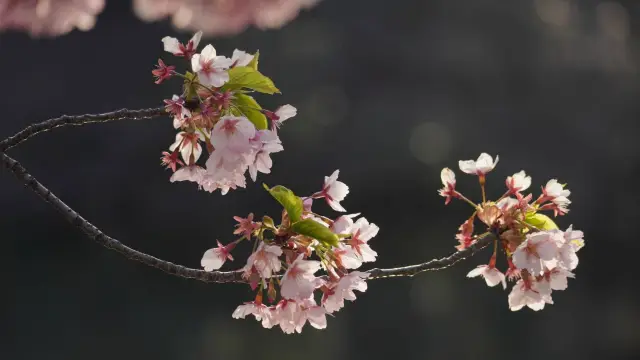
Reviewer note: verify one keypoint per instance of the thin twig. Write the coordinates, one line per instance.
(178, 270)
(122, 114)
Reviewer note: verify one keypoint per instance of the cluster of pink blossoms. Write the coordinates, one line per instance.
(539, 256)
(222, 17)
(216, 113)
(49, 17)
(301, 245)
(214, 17)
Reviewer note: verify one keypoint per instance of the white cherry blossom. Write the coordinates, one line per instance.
(265, 260)
(211, 69)
(480, 167)
(334, 191)
(518, 182)
(537, 247)
(298, 282)
(529, 293)
(214, 258)
(491, 275)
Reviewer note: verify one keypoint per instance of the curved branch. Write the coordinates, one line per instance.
(174, 269)
(122, 114)
(96, 234)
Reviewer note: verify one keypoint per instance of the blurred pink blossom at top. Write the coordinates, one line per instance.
(222, 17)
(49, 17)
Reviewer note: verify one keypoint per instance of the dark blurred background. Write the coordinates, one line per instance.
(389, 92)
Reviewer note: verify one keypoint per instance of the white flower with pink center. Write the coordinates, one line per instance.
(260, 311)
(334, 191)
(529, 293)
(292, 315)
(175, 47)
(211, 69)
(448, 178)
(336, 293)
(233, 133)
(188, 145)
(556, 278)
(265, 260)
(538, 247)
(361, 232)
(214, 258)
(518, 182)
(480, 167)
(265, 143)
(491, 275)
(299, 281)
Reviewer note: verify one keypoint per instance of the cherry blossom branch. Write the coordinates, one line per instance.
(174, 269)
(76, 120)
(213, 276)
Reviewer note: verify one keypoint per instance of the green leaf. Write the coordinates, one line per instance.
(540, 221)
(313, 229)
(248, 107)
(189, 86)
(250, 78)
(254, 62)
(289, 201)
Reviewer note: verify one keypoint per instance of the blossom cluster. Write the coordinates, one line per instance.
(539, 256)
(214, 17)
(222, 17)
(216, 113)
(49, 17)
(286, 258)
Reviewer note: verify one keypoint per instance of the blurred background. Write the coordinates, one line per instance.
(389, 92)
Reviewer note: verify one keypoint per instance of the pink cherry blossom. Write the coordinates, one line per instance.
(265, 143)
(265, 260)
(214, 258)
(49, 17)
(188, 145)
(362, 231)
(336, 293)
(298, 282)
(529, 293)
(480, 167)
(334, 191)
(538, 247)
(292, 315)
(448, 178)
(222, 17)
(233, 133)
(246, 226)
(174, 46)
(193, 173)
(281, 114)
(555, 189)
(490, 274)
(176, 107)
(211, 69)
(260, 311)
(518, 182)
(556, 278)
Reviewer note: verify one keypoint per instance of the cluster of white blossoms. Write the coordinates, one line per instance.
(539, 256)
(216, 113)
(286, 258)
